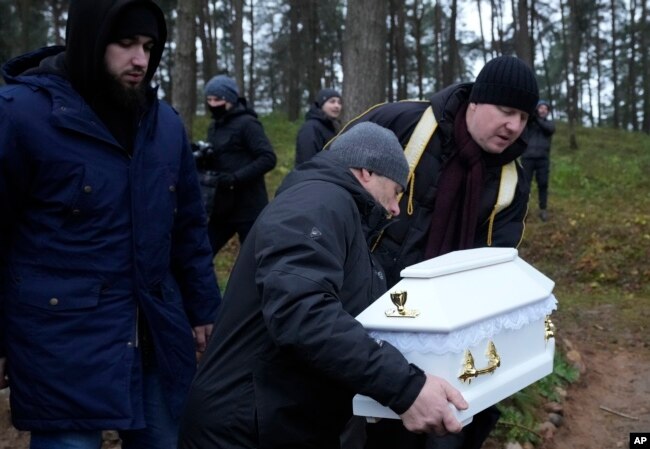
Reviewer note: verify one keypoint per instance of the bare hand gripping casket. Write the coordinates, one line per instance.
(478, 318)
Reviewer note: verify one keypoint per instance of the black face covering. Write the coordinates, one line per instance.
(218, 111)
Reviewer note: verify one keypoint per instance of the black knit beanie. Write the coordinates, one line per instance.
(135, 19)
(506, 81)
(325, 94)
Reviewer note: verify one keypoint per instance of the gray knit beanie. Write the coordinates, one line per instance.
(373, 147)
(222, 87)
(506, 81)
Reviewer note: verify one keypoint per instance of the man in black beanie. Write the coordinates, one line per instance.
(107, 285)
(467, 191)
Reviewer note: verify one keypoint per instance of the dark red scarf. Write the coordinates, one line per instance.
(455, 213)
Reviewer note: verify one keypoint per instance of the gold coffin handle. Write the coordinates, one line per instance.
(470, 371)
(549, 328)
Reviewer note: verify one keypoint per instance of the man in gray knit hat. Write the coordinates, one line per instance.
(287, 355)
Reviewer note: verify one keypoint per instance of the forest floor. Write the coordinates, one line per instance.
(612, 397)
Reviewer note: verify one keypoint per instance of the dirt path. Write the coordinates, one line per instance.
(611, 399)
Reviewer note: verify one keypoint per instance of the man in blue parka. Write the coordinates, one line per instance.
(106, 280)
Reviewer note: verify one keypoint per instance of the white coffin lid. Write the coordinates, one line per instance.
(460, 289)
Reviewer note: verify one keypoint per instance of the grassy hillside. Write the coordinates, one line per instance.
(596, 245)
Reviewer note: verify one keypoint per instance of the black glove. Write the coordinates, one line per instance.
(227, 180)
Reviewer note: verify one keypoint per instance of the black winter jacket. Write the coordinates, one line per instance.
(242, 148)
(540, 132)
(286, 355)
(403, 243)
(317, 130)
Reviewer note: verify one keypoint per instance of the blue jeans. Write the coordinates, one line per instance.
(161, 431)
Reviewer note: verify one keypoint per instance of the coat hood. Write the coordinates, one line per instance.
(88, 29)
(44, 60)
(316, 113)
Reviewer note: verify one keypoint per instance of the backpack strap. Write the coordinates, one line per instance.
(414, 149)
(507, 188)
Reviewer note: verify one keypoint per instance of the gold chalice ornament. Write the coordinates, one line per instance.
(399, 299)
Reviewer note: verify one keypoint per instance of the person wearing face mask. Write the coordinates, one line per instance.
(242, 154)
(321, 124)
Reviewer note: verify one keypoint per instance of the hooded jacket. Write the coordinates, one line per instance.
(404, 242)
(317, 130)
(91, 238)
(287, 355)
(240, 147)
(540, 132)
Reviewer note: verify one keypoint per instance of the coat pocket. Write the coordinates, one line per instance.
(58, 294)
(71, 349)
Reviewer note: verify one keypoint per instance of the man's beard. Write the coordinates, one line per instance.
(125, 97)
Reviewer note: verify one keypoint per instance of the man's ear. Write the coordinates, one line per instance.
(365, 174)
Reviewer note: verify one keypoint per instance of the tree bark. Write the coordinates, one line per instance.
(237, 34)
(418, 13)
(400, 50)
(480, 25)
(631, 110)
(207, 36)
(364, 56)
(251, 62)
(451, 68)
(598, 55)
(184, 68)
(523, 47)
(645, 66)
(615, 95)
(438, 61)
(293, 75)
(570, 86)
(312, 46)
(59, 8)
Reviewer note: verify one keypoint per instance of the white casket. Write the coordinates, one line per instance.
(484, 304)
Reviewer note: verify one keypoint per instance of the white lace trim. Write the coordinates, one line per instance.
(457, 341)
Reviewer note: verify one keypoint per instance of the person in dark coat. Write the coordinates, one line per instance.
(537, 157)
(107, 287)
(321, 124)
(241, 155)
(455, 198)
(287, 355)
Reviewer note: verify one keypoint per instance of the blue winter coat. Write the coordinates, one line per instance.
(91, 237)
